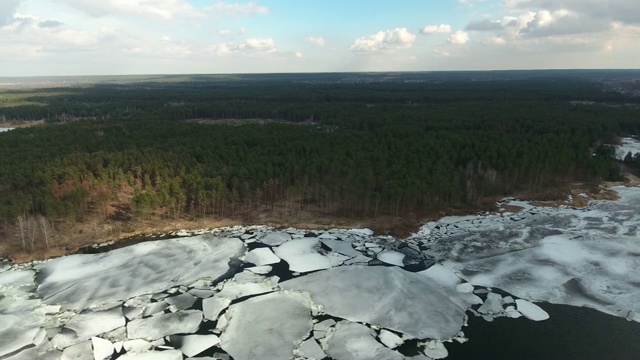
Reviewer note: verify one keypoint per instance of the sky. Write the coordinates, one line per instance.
(120, 37)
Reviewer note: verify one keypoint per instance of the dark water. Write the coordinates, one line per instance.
(570, 333)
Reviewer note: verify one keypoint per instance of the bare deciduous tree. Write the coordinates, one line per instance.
(22, 226)
(46, 228)
(32, 228)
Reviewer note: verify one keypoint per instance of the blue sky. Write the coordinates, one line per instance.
(87, 37)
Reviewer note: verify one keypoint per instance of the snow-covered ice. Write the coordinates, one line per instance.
(629, 145)
(102, 349)
(310, 349)
(390, 339)
(266, 327)
(153, 355)
(275, 238)
(261, 256)
(531, 311)
(84, 281)
(192, 345)
(391, 257)
(353, 341)
(373, 294)
(156, 327)
(303, 256)
(213, 306)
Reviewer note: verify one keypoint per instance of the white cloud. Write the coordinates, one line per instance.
(8, 9)
(441, 53)
(315, 40)
(399, 38)
(163, 9)
(484, 25)
(495, 40)
(249, 47)
(627, 11)
(459, 38)
(436, 29)
(231, 32)
(299, 55)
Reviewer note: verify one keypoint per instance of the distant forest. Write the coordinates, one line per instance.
(353, 147)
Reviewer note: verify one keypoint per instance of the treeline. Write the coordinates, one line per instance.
(364, 150)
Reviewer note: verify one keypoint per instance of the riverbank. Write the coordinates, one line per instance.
(70, 238)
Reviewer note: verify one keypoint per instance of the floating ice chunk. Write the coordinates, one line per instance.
(90, 324)
(360, 259)
(136, 345)
(466, 288)
(247, 283)
(260, 270)
(20, 319)
(84, 281)
(256, 329)
(17, 332)
(182, 301)
(153, 355)
(442, 275)
(327, 236)
(192, 345)
(181, 322)
(213, 306)
(339, 246)
(353, 293)
(132, 312)
(52, 309)
(81, 351)
(202, 293)
(102, 349)
(261, 256)
(435, 349)
(155, 308)
(302, 256)
(512, 312)
(320, 329)
(491, 306)
(390, 339)
(391, 257)
(361, 232)
(138, 301)
(275, 238)
(353, 341)
(531, 311)
(310, 349)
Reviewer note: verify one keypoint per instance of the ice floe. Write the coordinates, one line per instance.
(257, 327)
(531, 311)
(303, 255)
(192, 345)
(84, 281)
(372, 295)
(353, 341)
(156, 327)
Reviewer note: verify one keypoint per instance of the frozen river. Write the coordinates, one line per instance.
(260, 293)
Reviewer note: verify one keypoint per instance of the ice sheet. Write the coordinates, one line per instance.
(303, 255)
(266, 327)
(83, 281)
(373, 295)
(353, 341)
(261, 256)
(156, 327)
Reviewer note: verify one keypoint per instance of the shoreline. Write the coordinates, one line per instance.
(112, 232)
